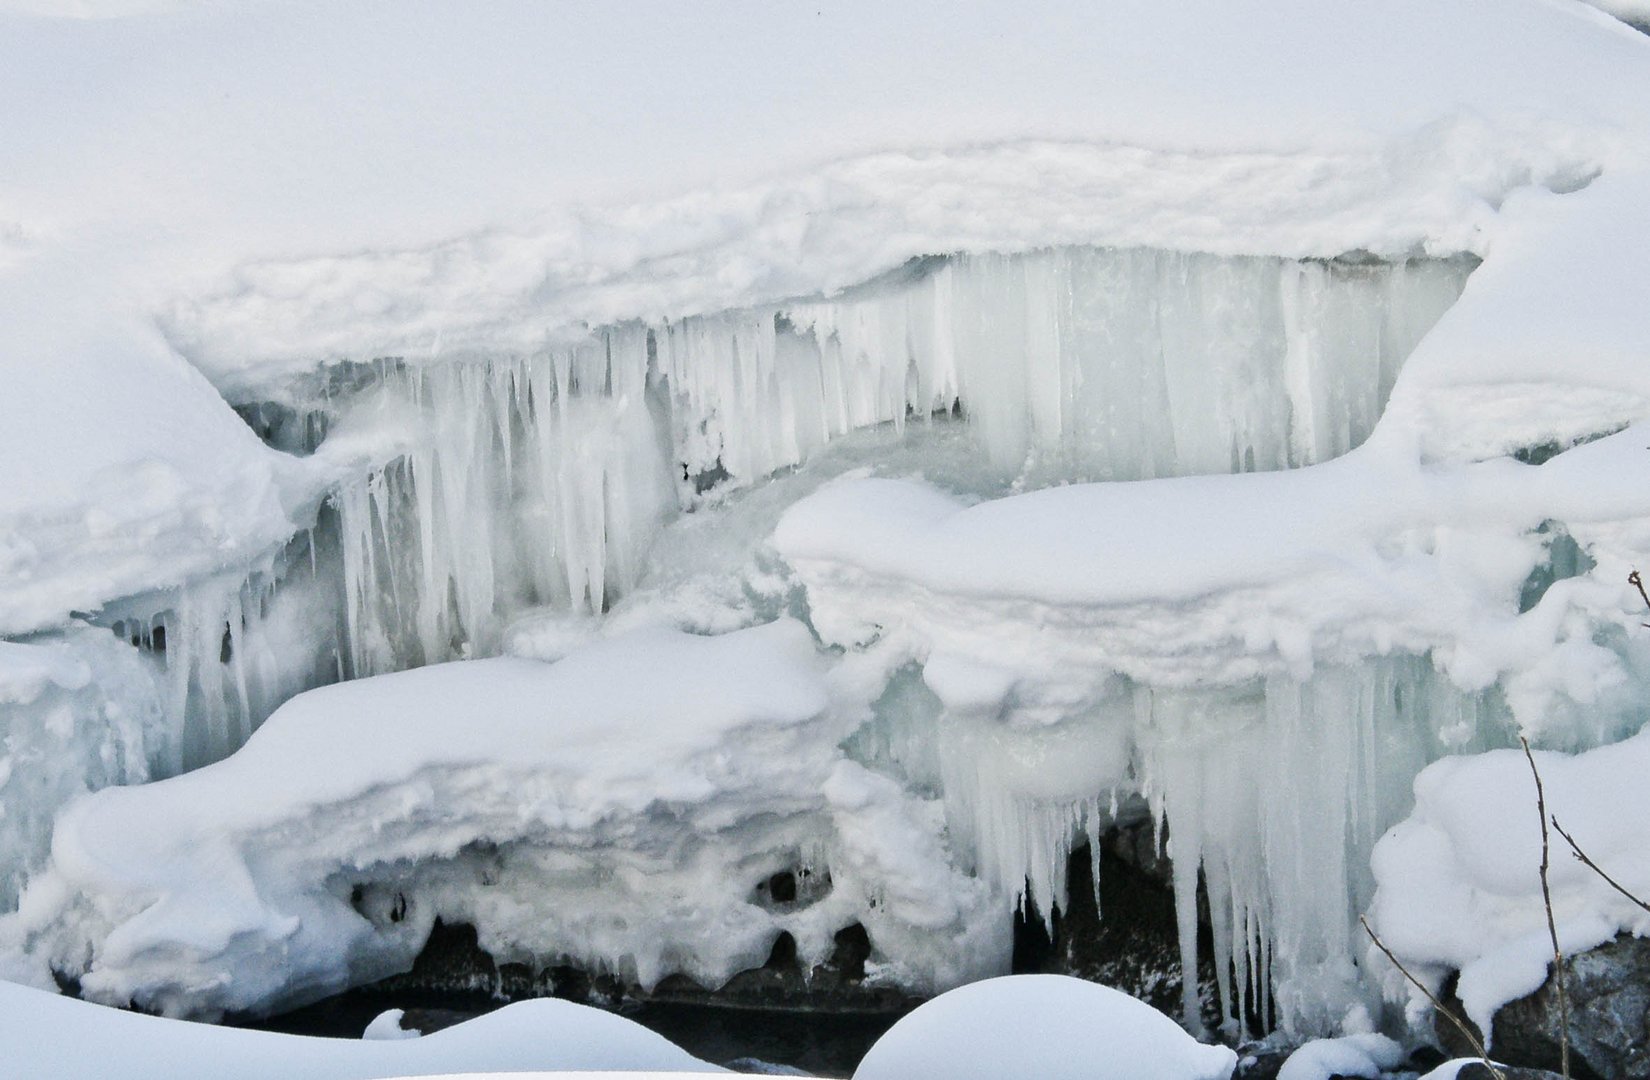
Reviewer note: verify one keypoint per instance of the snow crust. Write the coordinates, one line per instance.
(49, 1035)
(1041, 1025)
(1458, 887)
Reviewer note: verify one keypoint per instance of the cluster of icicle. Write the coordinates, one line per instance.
(541, 480)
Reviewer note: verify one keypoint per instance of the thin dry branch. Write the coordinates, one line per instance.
(1637, 582)
(1560, 980)
(1471, 1036)
(1581, 856)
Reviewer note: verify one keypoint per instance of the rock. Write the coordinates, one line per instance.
(1479, 1071)
(1131, 941)
(1609, 992)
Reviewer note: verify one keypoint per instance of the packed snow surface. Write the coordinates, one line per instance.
(50, 1036)
(1458, 882)
(1047, 1026)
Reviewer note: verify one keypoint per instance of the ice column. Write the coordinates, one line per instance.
(1071, 363)
(531, 481)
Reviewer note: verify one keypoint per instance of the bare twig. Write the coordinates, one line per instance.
(1559, 979)
(1637, 582)
(1472, 1038)
(1575, 849)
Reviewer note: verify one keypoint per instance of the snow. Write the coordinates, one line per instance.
(218, 218)
(615, 809)
(1267, 671)
(605, 296)
(1366, 1055)
(1041, 1025)
(49, 1035)
(1458, 883)
(387, 1025)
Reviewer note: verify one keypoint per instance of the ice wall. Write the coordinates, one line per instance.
(1070, 363)
(486, 486)
(78, 711)
(516, 483)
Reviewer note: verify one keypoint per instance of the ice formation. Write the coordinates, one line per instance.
(551, 437)
(1268, 678)
(647, 784)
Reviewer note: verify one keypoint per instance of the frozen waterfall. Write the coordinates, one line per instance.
(509, 483)
(544, 500)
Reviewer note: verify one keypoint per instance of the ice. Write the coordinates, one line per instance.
(509, 484)
(1101, 267)
(1080, 363)
(78, 711)
(1271, 698)
(479, 488)
(1041, 1025)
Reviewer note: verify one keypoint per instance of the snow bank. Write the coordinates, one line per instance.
(1044, 1026)
(121, 478)
(616, 809)
(47, 1035)
(1458, 882)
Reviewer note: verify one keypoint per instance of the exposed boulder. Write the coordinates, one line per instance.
(1609, 999)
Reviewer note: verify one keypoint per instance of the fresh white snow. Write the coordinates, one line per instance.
(46, 1035)
(1047, 1026)
(624, 289)
(1457, 881)
(616, 809)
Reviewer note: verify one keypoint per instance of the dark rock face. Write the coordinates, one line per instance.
(1130, 941)
(1609, 992)
(453, 962)
(1479, 1071)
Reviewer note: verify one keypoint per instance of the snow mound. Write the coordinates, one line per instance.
(617, 808)
(1350, 1055)
(50, 1036)
(1458, 882)
(1048, 1026)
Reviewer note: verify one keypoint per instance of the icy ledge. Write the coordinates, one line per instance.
(616, 809)
(1268, 658)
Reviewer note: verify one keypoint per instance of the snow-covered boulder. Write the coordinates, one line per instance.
(1048, 1026)
(46, 1035)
